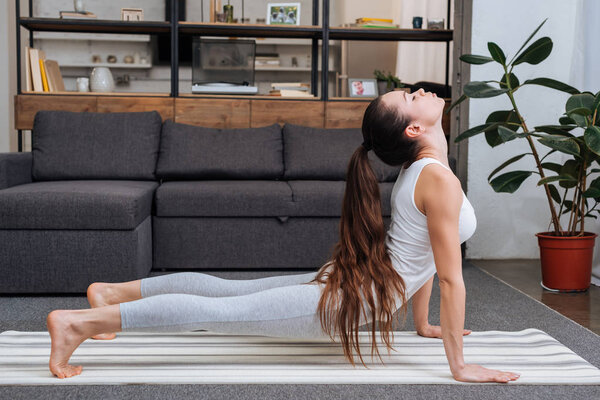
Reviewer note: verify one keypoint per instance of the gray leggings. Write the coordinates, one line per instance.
(279, 306)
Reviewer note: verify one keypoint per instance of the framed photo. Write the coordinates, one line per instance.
(362, 87)
(283, 14)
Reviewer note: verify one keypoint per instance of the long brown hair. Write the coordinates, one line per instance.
(360, 262)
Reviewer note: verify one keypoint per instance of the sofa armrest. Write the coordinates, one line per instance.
(15, 169)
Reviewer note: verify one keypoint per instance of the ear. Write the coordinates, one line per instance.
(413, 130)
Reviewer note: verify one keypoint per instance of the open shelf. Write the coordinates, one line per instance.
(249, 30)
(94, 25)
(421, 35)
(241, 96)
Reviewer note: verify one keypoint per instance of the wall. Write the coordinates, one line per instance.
(8, 72)
(507, 222)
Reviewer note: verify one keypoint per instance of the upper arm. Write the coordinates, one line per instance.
(442, 201)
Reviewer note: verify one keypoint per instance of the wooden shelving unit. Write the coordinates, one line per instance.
(319, 36)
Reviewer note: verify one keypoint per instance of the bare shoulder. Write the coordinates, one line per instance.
(439, 183)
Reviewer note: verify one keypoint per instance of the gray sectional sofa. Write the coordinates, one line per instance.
(113, 196)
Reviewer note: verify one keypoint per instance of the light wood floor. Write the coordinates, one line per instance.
(526, 275)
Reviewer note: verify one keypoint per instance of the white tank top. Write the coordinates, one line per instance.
(407, 238)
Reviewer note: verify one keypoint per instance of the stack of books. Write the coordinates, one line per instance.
(267, 59)
(374, 23)
(290, 89)
(77, 15)
(42, 75)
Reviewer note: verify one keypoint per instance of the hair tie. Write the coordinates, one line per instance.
(366, 146)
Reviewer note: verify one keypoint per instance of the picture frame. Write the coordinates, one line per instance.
(358, 87)
(283, 14)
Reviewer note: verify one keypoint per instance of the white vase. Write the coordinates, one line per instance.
(78, 5)
(101, 80)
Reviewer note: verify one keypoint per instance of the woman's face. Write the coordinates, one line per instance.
(424, 108)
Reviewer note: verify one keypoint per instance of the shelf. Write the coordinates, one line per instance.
(110, 65)
(249, 30)
(239, 96)
(90, 36)
(75, 93)
(94, 25)
(287, 69)
(421, 35)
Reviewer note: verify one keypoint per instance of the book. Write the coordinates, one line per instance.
(29, 83)
(77, 14)
(44, 78)
(374, 25)
(55, 79)
(36, 77)
(364, 19)
(289, 84)
(290, 93)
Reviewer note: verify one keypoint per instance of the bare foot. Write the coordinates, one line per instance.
(65, 338)
(97, 297)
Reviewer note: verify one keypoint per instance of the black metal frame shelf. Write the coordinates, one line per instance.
(175, 28)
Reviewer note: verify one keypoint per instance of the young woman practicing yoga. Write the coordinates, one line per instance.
(371, 275)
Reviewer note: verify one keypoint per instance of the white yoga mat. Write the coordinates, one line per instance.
(208, 357)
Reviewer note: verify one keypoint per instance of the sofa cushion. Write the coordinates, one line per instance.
(71, 204)
(317, 153)
(197, 153)
(90, 145)
(228, 198)
(314, 198)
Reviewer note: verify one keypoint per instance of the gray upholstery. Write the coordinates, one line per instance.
(224, 198)
(68, 261)
(314, 198)
(15, 169)
(193, 152)
(76, 204)
(89, 145)
(245, 242)
(318, 153)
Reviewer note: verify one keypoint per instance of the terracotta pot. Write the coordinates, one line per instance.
(566, 260)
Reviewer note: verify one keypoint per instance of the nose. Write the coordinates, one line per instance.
(421, 92)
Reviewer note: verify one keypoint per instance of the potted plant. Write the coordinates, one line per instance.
(565, 252)
(386, 82)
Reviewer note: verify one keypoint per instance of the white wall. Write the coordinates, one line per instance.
(507, 222)
(8, 72)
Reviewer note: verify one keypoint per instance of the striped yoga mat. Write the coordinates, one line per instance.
(207, 357)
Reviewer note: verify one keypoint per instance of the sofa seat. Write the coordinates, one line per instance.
(318, 198)
(224, 198)
(76, 204)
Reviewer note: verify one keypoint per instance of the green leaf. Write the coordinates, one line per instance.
(579, 119)
(566, 121)
(592, 138)
(528, 39)
(478, 89)
(581, 104)
(506, 163)
(496, 53)
(553, 84)
(537, 52)
(472, 132)
(568, 145)
(566, 178)
(570, 168)
(510, 181)
(512, 80)
(506, 134)
(554, 193)
(462, 98)
(591, 192)
(555, 129)
(475, 59)
(552, 166)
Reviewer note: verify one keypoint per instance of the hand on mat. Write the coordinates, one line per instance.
(477, 373)
(435, 331)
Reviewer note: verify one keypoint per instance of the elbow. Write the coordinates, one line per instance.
(451, 283)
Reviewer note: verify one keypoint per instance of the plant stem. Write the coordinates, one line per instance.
(583, 202)
(555, 219)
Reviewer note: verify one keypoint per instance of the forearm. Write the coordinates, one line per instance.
(420, 305)
(452, 318)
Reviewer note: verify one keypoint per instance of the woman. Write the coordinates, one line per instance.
(431, 216)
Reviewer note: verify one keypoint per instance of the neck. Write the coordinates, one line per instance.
(437, 147)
